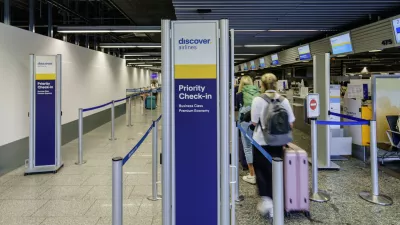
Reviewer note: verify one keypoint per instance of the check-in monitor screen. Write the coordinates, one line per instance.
(262, 63)
(341, 44)
(154, 76)
(304, 53)
(396, 29)
(274, 59)
(252, 65)
(245, 67)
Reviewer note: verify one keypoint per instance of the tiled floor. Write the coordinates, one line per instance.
(345, 207)
(81, 195)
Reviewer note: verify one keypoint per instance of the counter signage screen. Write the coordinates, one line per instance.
(396, 30)
(154, 76)
(274, 59)
(262, 63)
(304, 53)
(341, 44)
(252, 65)
(245, 67)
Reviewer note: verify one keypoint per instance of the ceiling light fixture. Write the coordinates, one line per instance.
(144, 59)
(250, 30)
(137, 55)
(293, 30)
(130, 46)
(245, 54)
(144, 65)
(375, 50)
(260, 46)
(106, 31)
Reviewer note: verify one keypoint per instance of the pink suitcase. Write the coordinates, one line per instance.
(296, 181)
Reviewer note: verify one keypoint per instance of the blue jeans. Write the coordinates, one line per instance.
(247, 146)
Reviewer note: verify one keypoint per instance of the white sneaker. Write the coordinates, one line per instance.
(265, 207)
(250, 179)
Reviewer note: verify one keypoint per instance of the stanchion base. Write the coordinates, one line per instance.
(129, 125)
(150, 198)
(320, 196)
(240, 198)
(376, 199)
(112, 139)
(83, 162)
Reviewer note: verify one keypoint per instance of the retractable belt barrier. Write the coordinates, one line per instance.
(277, 180)
(138, 92)
(372, 196)
(117, 181)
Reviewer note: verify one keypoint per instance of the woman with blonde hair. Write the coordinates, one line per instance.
(246, 93)
(262, 167)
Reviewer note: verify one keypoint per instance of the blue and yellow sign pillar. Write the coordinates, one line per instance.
(196, 121)
(45, 115)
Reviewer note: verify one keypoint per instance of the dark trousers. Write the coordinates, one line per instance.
(263, 168)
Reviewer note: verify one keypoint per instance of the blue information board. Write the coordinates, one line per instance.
(196, 161)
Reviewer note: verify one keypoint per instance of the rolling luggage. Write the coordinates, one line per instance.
(296, 182)
(150, 102)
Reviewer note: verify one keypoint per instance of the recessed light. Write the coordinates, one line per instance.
(260, 46)
(375, 50)
(293, 30)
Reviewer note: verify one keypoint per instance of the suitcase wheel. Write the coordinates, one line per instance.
(308, 215)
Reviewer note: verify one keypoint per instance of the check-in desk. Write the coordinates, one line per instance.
(301, 122)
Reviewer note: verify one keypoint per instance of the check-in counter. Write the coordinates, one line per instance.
(301, 122)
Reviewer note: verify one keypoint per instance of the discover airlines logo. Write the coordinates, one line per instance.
(44, 64)
(192, 44)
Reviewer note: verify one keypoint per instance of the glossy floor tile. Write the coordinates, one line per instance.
(81, 194)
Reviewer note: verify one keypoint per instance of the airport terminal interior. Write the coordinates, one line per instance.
(133, 112)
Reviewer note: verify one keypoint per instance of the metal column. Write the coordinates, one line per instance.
(277, 190)
(374, 196)
(50, 19)
(166, 136)
(315, 195)
(80, 138)
(321, 73)
(7, 19)
(117, 191)
(234, 129)
(154, 173)
(224, 121)
(32, 16)
(112, 121)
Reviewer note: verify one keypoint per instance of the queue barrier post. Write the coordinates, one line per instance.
(117, 190)
(112, 138)
(235, 159)
(374, 196)
(234, 182)
(277, 191)
(129, 105)
(80, 138)
(316, 195)
(154, 196)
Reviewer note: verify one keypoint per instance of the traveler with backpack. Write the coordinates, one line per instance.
(272, 120)
(246, 93)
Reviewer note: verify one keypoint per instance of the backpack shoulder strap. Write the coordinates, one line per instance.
(266, 98)
(281, 98)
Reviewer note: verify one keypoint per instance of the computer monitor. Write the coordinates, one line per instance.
(396, 30)
(341, 44)
(245, 67)
(304, 52)
(262, 63)
(274, 59)
(154, 76)
(252, 65)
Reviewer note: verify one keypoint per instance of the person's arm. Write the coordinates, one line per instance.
(255, 112)
(289, 110)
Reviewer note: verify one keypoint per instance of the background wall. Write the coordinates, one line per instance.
(89, 78)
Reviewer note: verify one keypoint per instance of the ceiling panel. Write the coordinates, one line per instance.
(324, 17)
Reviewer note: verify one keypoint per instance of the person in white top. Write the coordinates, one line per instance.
(263, 168)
